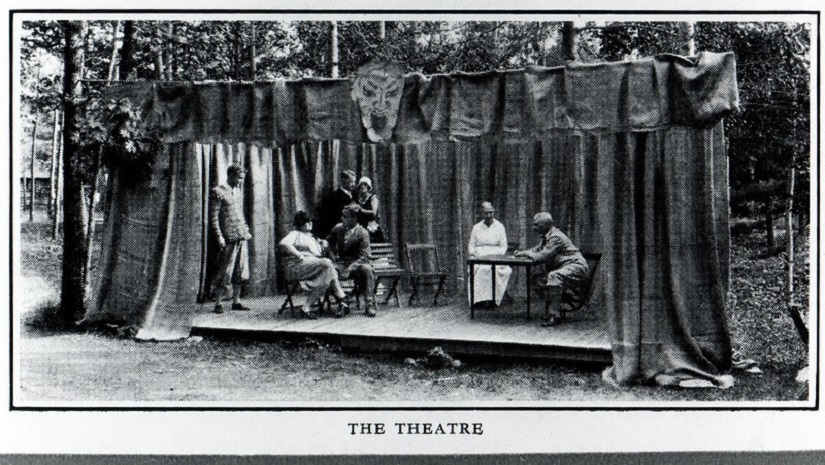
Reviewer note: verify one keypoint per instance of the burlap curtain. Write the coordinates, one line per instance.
(653, 203)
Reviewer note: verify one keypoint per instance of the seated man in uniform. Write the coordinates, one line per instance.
(349, 243)
(565, 267)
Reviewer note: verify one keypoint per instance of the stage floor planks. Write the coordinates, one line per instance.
(503, 332)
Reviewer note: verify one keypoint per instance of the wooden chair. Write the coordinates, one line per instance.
(511, 249)
(425, 269)
(386, 266)
(292, 287)
(573, 299)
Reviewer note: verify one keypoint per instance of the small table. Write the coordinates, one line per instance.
(493, 260)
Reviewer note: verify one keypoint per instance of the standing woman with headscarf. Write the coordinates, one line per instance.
(368, 210)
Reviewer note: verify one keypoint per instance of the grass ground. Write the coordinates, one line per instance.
(75, 366)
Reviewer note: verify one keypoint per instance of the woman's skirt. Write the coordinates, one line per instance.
(313, 272)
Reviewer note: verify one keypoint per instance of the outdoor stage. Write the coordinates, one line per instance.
(501, 332)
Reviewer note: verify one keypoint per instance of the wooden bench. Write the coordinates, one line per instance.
(386, 267)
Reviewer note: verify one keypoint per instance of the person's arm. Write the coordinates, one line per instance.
(287, 244)
(370, 211)
(502, 240)
(332, 241)
(214, 216)
(544, 254)
(471, 246)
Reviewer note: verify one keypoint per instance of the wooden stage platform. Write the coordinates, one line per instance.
(501, 332)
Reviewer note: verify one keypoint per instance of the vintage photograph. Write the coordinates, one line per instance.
(326, 211)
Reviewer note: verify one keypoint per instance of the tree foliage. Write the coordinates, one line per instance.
(765, 137)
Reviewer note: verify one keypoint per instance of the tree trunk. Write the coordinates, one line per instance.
(31, 171)
(789, 246)
(568, 41)
(253, 54)
(53, 171)
(686, 38)
(58, 199)
(113, 58)
(72, 293)
(793, 308)
(769, 224)
(126, 64)
(333, 49)
(34, 146)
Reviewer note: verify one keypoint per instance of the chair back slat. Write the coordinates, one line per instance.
(423, 258)
(383, 255)
(593, 260)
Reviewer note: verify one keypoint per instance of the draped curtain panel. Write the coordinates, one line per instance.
(148, 273)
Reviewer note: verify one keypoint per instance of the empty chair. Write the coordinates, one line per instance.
(425, 269)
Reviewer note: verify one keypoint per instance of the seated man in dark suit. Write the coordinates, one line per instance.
(349, 243)
(565, 266)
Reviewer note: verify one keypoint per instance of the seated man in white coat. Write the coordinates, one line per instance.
(488, 238)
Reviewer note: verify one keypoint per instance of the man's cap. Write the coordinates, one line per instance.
(348, 174)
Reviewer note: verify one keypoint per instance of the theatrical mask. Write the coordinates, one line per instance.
(377, 89)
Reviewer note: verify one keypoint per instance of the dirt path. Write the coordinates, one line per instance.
(98, 368)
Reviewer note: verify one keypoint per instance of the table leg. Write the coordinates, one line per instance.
(529, 291)
(472, 289)
(493, 290)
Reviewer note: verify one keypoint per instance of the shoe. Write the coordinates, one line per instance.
(218, 308)
(343, 307)
(551, 320)
(308, 315)
(370, 311)
(241, 307)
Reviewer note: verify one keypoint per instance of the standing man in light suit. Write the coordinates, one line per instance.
(232, 232)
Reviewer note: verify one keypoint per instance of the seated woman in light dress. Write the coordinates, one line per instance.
(488, 238)
(305, 262)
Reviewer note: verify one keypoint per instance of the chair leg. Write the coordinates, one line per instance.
(440, 287)
(290, 290)
(414, 295)
(394, 292)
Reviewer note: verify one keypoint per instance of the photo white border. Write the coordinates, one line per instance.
(314, 432)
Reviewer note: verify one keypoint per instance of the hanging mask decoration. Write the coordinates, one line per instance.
(377, 90)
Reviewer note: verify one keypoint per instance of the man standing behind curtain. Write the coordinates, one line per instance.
(488, 238)
(232, 232)
(330, 212)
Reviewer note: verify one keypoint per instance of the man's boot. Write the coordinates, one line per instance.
(370, 311)
(552, 316)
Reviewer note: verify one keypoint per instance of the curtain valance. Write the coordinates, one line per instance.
(523, 104)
